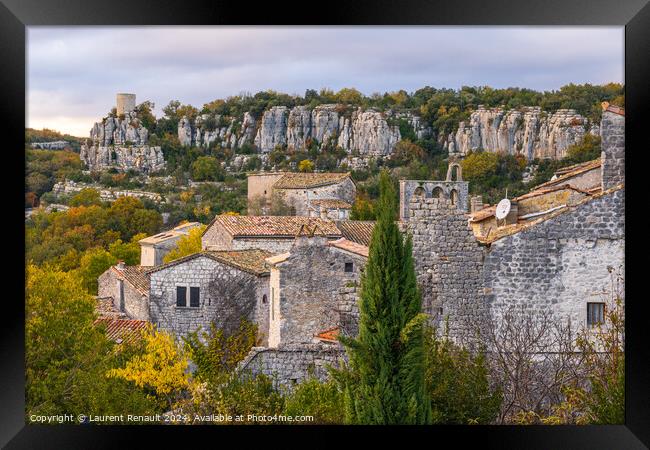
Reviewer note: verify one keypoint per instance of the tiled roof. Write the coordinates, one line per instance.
(308, 180)
(570, 172)
(612, 108)
(521, 226)
(488, 212)
(105, 307)
(179, 230)
(280, 226)
(350, 246)
(330, 335)
(331, 203)
(136, 276)
(359, 231)
(251, 261)
(122, 330)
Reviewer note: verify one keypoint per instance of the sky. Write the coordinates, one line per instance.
(73, 73)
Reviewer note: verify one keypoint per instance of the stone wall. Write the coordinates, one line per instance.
(612, 133)
(291, 365)
(312, 282)
(300, 198)
(136, 305)
(448, 264)
(430, 189)
(561, 263)
(226, 296)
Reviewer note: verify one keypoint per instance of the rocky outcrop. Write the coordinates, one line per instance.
(527, 131)
(55, 145)
(121, 143)
(69, 187)
(367, 133)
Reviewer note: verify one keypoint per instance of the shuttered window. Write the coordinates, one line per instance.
(181, 296)
(595, 313)
(194, 297)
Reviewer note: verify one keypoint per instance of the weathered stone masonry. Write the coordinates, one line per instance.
(561, 263)
(612, 132)
(226, 295)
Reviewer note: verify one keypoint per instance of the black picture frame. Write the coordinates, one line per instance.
(15, 15)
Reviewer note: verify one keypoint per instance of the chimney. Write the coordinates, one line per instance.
(121, 265)
(612, 144)
(323, 212)
(476, 203)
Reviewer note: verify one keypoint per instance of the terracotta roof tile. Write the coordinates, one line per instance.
(105, 308)
(280, 226)
(136, 276)
(613, 108)
(350, 246)
(331, 203)
(309, 180)
(330, 335)
(122, 330)
(251, 261)
(359, 231)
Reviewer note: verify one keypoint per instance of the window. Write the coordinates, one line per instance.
(349, 267)
(181, 296)
(595, 313)
(194, 297)
(264, 299)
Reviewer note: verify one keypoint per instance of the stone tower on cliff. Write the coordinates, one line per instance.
(125, 103)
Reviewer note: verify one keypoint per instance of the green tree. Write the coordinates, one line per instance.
(586, 150)
(385, 380)
(129, 252)
(207, 168)
(458, 383)
(67, 355)
(93, 263)
(323, 401)
(187, 245)
(85, 197)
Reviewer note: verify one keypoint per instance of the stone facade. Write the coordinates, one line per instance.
(293, 364)
(612, 132)
(226, 296)
(300, 198)
(561, 263)
(448, 263)
(409, 189)
(308, 291)
(126, 298)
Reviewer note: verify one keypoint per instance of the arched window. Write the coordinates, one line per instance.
(454, 197)
(419, 192)
(437, 192)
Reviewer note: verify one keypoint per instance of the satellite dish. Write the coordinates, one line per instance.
(503, 208)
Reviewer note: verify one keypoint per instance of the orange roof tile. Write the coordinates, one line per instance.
(122, 330)
(613, 108)
(359, 231)
(136, 276)
(331, 203)
(251, 260)
(330, 335)
(309, 180)
(280, 226)
(350, 246)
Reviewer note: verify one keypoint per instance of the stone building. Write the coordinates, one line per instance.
(330, 209)
(457, 191)
(271, 233)
(211, 287)
(299, 190)
(154, 248)
(127, 287)
(586, 176)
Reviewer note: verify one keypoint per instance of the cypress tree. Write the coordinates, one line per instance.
(384, 382)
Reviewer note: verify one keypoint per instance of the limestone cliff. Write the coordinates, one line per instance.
(364, 133)
(121, 143)
(528, 131)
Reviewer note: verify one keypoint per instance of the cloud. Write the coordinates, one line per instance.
(74, 72)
